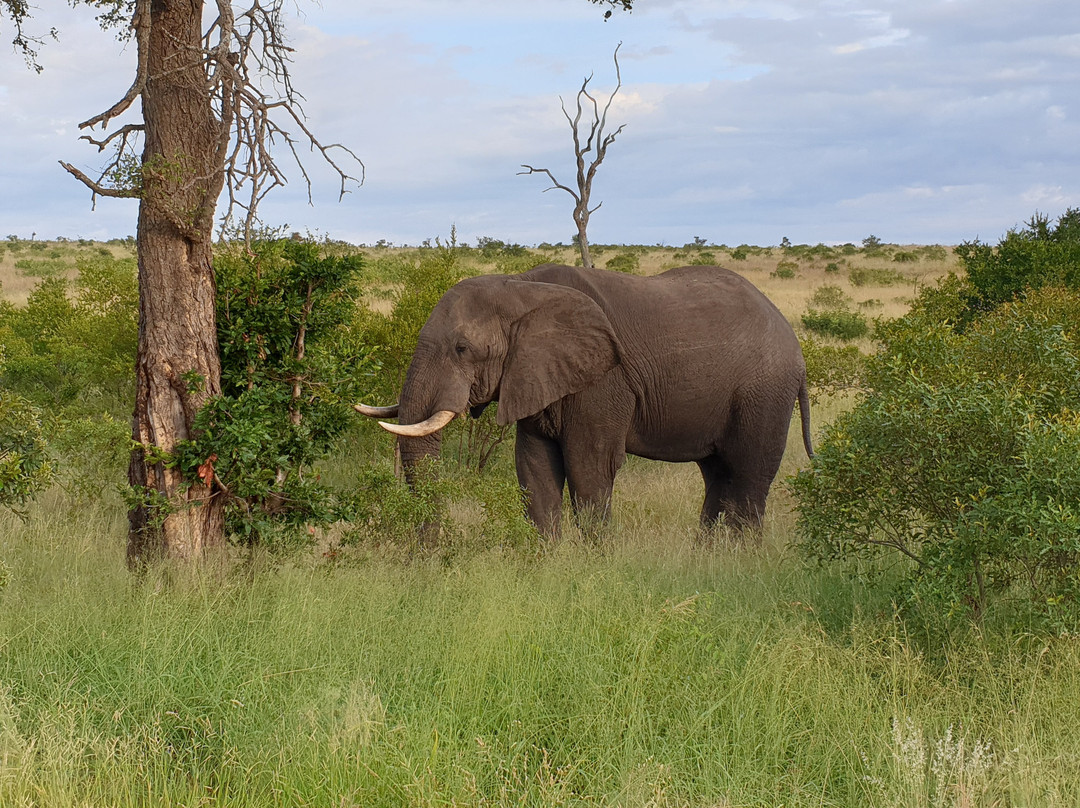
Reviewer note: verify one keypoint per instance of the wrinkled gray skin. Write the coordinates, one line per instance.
(694, 364)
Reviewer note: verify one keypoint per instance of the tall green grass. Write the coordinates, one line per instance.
(645, 672)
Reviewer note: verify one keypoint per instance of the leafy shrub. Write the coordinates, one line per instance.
(1031, 257)
(739, 254)
(829, 297)
(75, 355)
(24, 461)
(906, 257)
(875, 276)
(624, 262)
(832, 266)
(291, 360)
(492, 248)
(832, 369)
(838, 323)
(963, 459)
(43, 267)
(785, 269)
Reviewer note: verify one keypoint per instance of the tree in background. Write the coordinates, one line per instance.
(584, 145)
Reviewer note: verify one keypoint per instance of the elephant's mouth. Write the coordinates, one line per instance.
(478, 410)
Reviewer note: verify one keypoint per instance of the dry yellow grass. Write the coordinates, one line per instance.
(24, 263)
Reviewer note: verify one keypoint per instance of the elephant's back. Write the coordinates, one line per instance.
(700, 309)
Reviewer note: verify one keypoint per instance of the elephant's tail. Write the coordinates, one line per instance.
(804, 416)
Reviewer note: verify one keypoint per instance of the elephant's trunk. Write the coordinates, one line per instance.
(416, 446)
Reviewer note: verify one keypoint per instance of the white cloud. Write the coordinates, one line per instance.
(821, 120)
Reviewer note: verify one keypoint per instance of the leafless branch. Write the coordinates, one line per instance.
(97, 187)
(124, 132)
(555, 184)
(140, 24)
(242, 52)
(596, 143)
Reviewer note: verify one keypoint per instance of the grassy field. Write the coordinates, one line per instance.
(648, 671)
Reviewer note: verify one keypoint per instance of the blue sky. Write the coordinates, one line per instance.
(919, 121)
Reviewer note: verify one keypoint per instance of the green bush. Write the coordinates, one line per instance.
(1031, 257)
(785, 269)
(24, 460)
(839, 323)
(292, 359)
(875, 276)
(832, 369)
(71, 348)
(962, 462)
(829, 297)
(624, 262)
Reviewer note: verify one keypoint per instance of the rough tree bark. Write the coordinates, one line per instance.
(178, 365)
(586, 169)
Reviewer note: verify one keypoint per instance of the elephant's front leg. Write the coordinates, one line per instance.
(591, 464)
(541, 474)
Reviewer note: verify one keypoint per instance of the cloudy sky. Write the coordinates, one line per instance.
(919, 121)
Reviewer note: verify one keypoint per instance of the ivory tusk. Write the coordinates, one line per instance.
(377, 412)
(422, 429)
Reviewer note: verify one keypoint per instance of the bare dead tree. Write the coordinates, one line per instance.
(595, 138)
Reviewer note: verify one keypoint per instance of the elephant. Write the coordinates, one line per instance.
(693, 364)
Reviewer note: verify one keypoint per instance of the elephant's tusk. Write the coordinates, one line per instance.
(422, 429)
(377, 412)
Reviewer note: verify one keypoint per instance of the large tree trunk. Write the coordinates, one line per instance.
(178, 366)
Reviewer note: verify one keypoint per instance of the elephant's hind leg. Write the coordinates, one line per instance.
(732, 496)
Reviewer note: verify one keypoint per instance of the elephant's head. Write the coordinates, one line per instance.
(494, 338)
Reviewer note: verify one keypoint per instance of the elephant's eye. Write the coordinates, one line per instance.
(461, 348)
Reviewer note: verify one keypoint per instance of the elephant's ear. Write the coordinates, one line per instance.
(561, 346)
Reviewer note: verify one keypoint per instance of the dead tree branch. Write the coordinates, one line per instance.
(241, 53)
(594, 142)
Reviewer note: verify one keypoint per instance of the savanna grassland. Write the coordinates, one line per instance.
(646, 670)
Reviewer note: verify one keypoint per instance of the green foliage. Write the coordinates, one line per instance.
(492, 249)
(875, 276)
(839, 323)
(25, 468)
(421, 282)
(906, 257)
(43, 267)
(292, 359)
(71, 349)
(828, 315)
(829, 297)
(1031, 257)
(786, 270)
(832, 369)
(628, 262)
(962, 459)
